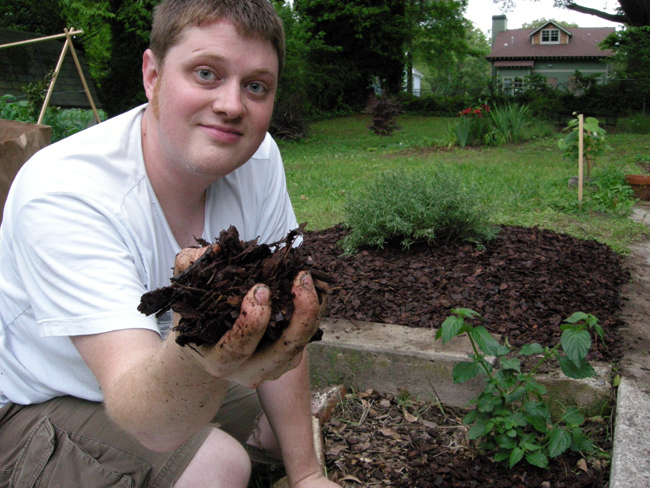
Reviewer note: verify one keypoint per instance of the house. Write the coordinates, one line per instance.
(417, 82)
(29, 63)
(551, 51)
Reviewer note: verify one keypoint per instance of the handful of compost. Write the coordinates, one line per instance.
(208, 294)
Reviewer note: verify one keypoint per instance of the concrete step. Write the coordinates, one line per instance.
(389, 357)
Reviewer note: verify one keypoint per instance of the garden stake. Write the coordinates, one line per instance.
(581, 143)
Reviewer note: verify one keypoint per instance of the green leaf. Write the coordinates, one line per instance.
(450, 328)
(511, 364)
(465, 371)
(501, 456)
(505, 442)
(538, 459)
(466, 312)
(487, 403)
(539, 423)
(560, 440)
(577, 317)
(487, 343)
(584, 370)
(573, 417)
(537, 409)
(579, 442)
(530, 349)
(599, 330)
(516, 419)
(515, 456)
(480, 428)
(576, 344)
(533, 386)
(470, 417)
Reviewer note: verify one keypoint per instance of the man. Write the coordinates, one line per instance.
(95, 394)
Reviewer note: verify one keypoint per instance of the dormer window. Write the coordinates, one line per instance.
(550, 36)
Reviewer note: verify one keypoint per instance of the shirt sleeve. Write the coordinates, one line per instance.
(79, 267)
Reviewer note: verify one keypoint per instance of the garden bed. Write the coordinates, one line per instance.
(524, 284)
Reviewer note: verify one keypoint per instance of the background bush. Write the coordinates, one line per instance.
(408, 207)
(64, 122)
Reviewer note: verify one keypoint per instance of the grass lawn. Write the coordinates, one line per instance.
(524, 184)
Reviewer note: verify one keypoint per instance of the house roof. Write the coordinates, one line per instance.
(24, 64)
(516, 43)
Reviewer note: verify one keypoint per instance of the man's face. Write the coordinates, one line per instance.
(212, 99)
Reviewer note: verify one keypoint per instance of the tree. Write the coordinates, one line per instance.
(437, 35)
(121, 87)
(40, 17)
(535, 24)
(360, 39)
(635, 13)
(463, 70)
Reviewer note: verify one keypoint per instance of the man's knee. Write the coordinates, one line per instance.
(221, 461)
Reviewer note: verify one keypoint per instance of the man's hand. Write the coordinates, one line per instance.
(234, 357)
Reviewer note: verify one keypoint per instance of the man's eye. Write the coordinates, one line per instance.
(205, 74)
(257, 88)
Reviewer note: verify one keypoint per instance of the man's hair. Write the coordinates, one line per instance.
(252, 18)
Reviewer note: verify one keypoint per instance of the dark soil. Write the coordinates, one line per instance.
(208, 294)
(381, 440)
(524, 284)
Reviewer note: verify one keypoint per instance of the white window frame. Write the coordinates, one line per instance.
(512, 84)
(550, 33)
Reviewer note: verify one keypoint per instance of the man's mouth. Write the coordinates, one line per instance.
(223, 133)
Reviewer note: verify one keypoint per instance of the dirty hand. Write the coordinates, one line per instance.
(234, 357)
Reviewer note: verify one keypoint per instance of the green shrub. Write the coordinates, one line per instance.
(636, 124)
(64, 122)
(408, 207)
(473, 126)
(509, 121)
(512, 415)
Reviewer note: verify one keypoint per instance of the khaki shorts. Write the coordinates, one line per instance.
(71, 443)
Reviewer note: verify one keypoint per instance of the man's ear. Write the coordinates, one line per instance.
(150, 72)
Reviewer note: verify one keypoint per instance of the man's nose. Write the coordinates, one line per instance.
(228, 100)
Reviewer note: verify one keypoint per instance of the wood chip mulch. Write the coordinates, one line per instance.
(524, 283)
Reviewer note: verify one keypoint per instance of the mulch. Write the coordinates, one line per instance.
(524, 283)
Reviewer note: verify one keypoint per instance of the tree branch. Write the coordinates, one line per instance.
(622, 18)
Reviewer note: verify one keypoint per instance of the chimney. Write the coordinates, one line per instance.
(499, 24)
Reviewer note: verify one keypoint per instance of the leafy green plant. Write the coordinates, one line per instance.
(13, 109)
(509, 121)
(593, 141)
(511, 414)
(64, 122)
(408, 207)
(611, 193)
(472, 126)
(461, 131)
(635, 124)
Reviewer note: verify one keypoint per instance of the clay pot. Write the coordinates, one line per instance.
(640, 185)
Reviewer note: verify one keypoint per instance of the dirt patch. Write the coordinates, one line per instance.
(382, 440)
(524, 283)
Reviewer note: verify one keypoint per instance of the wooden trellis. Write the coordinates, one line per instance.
(67, 33)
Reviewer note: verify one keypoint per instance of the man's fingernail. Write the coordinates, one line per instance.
(306, 281)
(262, 294)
